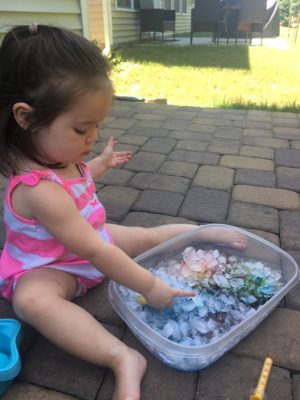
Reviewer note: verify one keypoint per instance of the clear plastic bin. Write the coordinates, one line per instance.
(190, 358)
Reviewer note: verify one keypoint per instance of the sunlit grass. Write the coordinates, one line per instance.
(211, 76)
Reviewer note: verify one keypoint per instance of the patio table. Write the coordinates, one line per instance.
(230, 17)
(231, 12)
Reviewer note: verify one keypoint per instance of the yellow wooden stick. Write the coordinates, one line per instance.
(262, 381)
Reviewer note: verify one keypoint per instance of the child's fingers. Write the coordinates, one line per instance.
(111, 141)
(125, 154)
(123, 157)
(183, 293)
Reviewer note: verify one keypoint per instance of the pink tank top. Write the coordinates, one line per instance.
(29, 245)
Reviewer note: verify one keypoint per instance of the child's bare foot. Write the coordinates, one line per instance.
(235, 239)
(129, 367)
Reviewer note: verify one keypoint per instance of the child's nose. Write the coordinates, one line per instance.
(93, 136)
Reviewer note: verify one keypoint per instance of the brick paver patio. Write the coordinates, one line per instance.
(202, 165)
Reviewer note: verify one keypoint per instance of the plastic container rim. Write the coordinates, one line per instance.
(175, 348)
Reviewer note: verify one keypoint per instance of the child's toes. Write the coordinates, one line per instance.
(240, 241)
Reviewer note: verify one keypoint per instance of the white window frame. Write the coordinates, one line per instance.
(181, 2)
(131, 9)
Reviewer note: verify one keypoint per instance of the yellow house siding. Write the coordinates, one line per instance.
(126, 24)
(183, 22)
(96, 23)
(61, 13)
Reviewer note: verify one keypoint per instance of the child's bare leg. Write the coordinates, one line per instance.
(226, 236)
(136, 240)
(42, 299)
(218, 235)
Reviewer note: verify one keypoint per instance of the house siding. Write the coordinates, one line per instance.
(183, 22)
(126, 24)
(61, 13)
(96, 23)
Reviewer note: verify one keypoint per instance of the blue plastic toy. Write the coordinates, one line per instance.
(10, 363)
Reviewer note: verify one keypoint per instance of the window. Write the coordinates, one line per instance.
(128, 4)
(183, 6)
(179, 5)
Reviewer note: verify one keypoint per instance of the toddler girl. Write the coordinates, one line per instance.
(54, 91)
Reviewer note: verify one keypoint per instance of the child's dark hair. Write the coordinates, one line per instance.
(45, 67)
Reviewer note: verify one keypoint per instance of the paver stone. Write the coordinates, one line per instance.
(287, 132)
(122, 123)
(290, 229)
(145, 162)
(247, 163)
(175, 124)
(159, 145)
(159, 182)
(117, 200)
(203, 204)
(228, 133)
(148, 220)
(287, 158)
(192, 145)
(296, 386)
(224, 146)
(235, 378)
(148, 131)
(293, 296)
(276, 335)
(270, 237)
(254, 216)
(26, 391)
(214, 177)
(255, 177)
(137, 140)
(159, 202)
(194, 157)
(194, 135)
(288, 178)
(179, 168)
(273, 197)
(258, 152)
(115, 177)
(266, 142)
(258, 132)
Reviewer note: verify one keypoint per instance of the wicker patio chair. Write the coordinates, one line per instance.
(252, 18)
(157, 20)
(206, 18)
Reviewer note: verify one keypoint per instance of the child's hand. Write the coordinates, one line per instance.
(161, 295)
(113, 158)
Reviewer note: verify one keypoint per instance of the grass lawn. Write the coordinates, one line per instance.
(242, 76)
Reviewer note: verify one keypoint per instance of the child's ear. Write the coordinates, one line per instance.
(21, 113)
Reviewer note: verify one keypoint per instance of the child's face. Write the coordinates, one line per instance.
(72, 135)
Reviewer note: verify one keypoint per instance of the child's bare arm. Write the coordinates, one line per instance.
(52, 206)
(108, 159)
